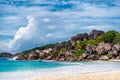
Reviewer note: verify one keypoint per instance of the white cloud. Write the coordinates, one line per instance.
(101, 27)
(49, 35)
(11, 18)
(55, 25)
(7, 33)
(46, 20)
(23, 34)
(3, 45)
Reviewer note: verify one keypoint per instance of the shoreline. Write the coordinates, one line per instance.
(108, 75)
(68, 69)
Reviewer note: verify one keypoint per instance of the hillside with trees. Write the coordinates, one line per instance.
(97, 45)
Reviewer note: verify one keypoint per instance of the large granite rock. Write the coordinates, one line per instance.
(91, 49)
(50, 57)
(49, 50)
(61, 59)
(21, 56)
(66, 53)
(115, 51)
(85, 55)
(43, 55)
(81, 37)
(80, 58)
(95, 33)
(103, 48)
(33, 55)
(117, 47)
(58, 47)
(6, 54)
(103, 58)
(93, 57)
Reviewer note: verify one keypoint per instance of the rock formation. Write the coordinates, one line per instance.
(95, 33)
(67, 51)
(5, 54)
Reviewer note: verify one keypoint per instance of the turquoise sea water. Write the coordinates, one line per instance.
(8, 65)
(20, 70)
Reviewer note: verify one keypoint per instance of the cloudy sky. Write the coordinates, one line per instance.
(25, 24)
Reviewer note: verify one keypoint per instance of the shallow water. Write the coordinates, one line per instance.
(9, 65)
(20, 70)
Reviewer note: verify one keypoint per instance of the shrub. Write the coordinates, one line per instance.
(81, 45)
(79, 53)
(94, 42)
(78, 44)
(100, 38)
(109, 37)
(55, 52)
(107, 55)
(117, 39)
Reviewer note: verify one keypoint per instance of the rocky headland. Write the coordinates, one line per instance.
(97, 45)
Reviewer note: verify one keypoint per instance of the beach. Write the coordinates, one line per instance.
(54, 70)
(111, 75)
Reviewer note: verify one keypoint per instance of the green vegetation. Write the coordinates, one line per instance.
(65, 42)
(45, 47)
(117, 39)
(39, 48)
(110, 37)
(80, 45)
(55, 52)
(94, 42)
(79, 53)
(62, 49)
(107, 55)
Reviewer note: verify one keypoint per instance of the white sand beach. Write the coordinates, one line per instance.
(113, 75)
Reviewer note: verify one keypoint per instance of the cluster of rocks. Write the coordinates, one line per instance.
(102, 51)
(92, 35)
(5, 54)
(63, 55)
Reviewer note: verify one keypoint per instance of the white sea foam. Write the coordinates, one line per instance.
(14, 58)
(70, 63)
(49, 60)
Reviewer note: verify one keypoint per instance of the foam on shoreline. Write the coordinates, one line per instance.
(81, 68)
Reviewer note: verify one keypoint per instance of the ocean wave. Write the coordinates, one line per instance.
(64, 63)
(48, 60)
(71, 63)
(83, 67)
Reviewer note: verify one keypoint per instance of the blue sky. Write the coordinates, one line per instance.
(25, 24)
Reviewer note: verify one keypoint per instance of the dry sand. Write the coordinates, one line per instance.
(114, 75)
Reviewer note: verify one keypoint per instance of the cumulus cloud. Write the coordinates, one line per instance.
(54, 20)
(3, 45)
(31, 35)
(23, 34)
